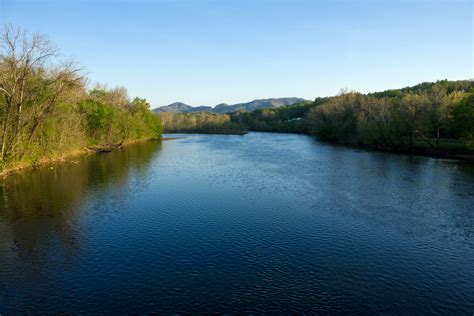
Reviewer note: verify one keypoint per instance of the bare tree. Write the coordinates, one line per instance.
(31, 82)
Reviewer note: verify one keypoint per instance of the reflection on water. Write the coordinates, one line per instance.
(270, 223)
(40, 209)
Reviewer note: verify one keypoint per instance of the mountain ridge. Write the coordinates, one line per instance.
(180, 107)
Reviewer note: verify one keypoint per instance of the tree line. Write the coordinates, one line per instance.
(201, 122)
(428, 116)
(47, 110)
(421, 116)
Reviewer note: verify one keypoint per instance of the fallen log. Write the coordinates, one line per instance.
(100, 149)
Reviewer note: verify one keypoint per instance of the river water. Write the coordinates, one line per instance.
(261, 223)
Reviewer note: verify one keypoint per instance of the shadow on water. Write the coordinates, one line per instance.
(45, 204)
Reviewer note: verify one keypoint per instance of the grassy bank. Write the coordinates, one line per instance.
(70, 155)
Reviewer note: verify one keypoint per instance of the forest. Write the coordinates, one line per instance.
(47, 110)
(431, 117)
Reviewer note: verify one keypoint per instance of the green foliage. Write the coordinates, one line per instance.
(46, 110)
(98, 118)
(199, 122)
(428, 116)
(106, 123)
(336, 119)
(426, 113)
(463, 119)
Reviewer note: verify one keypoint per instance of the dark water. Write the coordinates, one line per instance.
(258, 223)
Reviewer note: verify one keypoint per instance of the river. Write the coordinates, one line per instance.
(261, 223)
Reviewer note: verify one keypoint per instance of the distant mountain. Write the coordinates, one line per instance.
(202, 108)
(179, 107)
(256, 104)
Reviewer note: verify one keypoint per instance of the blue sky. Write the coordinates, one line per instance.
(208, 52)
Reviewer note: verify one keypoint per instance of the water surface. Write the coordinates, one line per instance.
(272, 223)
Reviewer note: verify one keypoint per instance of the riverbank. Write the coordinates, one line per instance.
(456, 152)
(418, 151)
(66, 156)
(459, 154)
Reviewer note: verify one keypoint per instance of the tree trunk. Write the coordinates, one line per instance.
(4, 133)
(437, 135)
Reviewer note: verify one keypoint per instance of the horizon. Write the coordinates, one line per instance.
(224, 103)
(235, 51)
(296, 97)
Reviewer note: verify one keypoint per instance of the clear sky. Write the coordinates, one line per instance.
(208, 52)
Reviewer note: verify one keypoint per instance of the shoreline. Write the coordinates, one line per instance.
(464, 156)
(45, 161)
(433, 154)
(415, 151)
